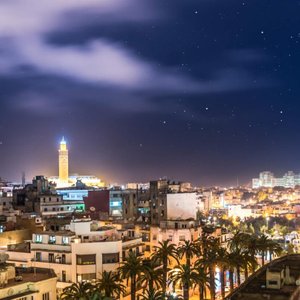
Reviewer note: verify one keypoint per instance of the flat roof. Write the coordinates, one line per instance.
(60, 233)
(31, 275)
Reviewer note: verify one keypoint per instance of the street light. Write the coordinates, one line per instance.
(268, 219)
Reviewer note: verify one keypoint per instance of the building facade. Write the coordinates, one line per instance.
(268, 180)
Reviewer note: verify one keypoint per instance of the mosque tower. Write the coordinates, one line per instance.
(63, 161)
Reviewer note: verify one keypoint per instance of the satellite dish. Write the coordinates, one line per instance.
(92, 208)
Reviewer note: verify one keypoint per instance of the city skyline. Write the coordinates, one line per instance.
(198, 91)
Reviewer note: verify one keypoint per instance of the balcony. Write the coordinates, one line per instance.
(51, 247)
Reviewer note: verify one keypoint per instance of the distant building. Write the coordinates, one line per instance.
(268, 180)
(172, 200)
(63, 162)
(66, 180)
(135, 186)
(40, 198)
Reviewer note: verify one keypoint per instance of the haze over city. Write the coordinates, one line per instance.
(203, 91)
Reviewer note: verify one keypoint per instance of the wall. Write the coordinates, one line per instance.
(97, 199)
(183, 206)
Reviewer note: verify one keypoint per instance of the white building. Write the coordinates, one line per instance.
(268, 180)
(52, 204)
(183, 206)
(237, 211)
(82, 253)
(27, 284)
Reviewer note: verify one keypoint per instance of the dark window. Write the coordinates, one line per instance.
(273, 282)
(46, 296)
(51, 257)
(63, 276)
(38, 256)
(110, 258)
(89, 259)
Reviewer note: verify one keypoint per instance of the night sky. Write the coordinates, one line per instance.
(205, 91)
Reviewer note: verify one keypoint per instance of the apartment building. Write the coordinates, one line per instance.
(81, 253)
(27, 283)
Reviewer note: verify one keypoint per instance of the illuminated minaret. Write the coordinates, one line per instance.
(63, 161)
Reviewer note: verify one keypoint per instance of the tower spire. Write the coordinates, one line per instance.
(63, 161)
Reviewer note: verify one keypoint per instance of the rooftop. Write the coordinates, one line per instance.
(57, 233)
(255, 286)
(30, 275)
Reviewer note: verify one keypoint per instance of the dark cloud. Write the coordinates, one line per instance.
(197, 90)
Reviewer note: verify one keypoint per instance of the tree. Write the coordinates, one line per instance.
(239, 256)
(131, 270)
(152, 277)
(79, 291)
(263, 247)
(185, 276)
(162, 255)
(273, 248)
(188, 250)
(202, 279)
(110, 284)
(209, 260)
(222, 262)
(151, 294)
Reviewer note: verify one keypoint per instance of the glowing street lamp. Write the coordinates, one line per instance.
(268, 219)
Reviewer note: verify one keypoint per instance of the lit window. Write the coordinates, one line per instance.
(38, 238)
(52, 239)
(65, 240)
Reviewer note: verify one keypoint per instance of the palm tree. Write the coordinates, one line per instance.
(263, 247)
(222, 262)
(251, 243)
(131, 270)
(241, 255)
(185, 276)
(152, 295)
(152, 277)
(162, 255)
(234, 263)
(79, 291)
(202, 279)
(273, 248)
(189, 249)
(209, 260)
(110, 284)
